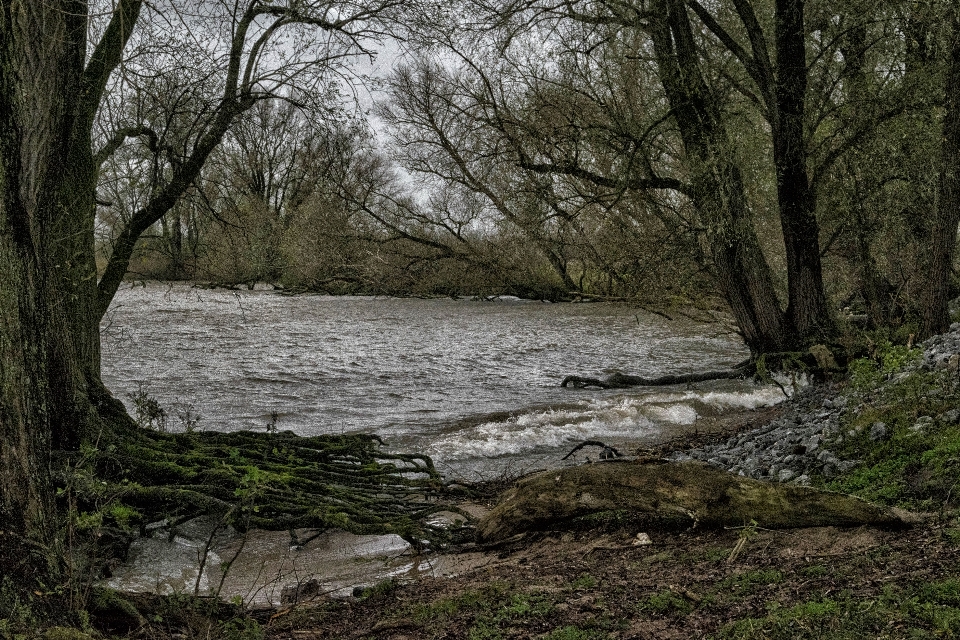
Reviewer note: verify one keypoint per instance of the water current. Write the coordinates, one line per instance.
(474, 384)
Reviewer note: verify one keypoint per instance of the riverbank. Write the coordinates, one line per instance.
(888, 433)
(891, 427)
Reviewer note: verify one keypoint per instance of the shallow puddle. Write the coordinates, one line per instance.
(266, 568)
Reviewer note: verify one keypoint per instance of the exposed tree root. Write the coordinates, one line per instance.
(260, 480)
(607, 453)
(820, 362)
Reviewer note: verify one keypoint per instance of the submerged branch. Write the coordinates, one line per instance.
(622, 381)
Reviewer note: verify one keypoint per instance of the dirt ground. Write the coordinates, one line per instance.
(682, 585)
(598, 582)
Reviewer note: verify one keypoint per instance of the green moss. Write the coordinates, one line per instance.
(269, 481)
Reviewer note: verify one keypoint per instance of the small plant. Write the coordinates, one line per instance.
(189, 421)
(746, 533)
(147, 411)
(381, 588)
(272, 425)
(585, 581)
(666, 602)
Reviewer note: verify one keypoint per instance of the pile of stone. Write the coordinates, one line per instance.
(792, 447)
(943, 351)
(789, 449)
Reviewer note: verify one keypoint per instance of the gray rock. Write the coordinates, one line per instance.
(786, 475)
(879, 431)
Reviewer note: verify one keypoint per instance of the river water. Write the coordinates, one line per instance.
(474, 384)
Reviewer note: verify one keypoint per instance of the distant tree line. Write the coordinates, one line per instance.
(795, 157)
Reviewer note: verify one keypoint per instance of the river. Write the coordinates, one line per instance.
(474, 384)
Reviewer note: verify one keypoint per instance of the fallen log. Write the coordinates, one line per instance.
(623, 381)
(672, 495)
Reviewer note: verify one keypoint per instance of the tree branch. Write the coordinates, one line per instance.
(105, 58)
(120, 136)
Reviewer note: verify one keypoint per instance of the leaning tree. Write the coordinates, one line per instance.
(64, 65)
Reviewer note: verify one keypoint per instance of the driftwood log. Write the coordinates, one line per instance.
(672, 495)
(622, 381)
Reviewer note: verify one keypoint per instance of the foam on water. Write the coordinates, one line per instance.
(614, 419)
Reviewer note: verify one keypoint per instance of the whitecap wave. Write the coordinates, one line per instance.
(622, 417)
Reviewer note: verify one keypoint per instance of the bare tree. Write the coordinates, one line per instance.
(53, 84)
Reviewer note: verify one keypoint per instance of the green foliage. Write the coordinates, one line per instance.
(929, 609)
(16, 610)
(916, 462)
(147, 411)
(887, 359)
(241, 628)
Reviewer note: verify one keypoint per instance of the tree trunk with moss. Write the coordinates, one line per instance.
(936, 314)
(718, 190)
(42, 391)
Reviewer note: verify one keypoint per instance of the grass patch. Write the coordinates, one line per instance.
(815, 571)
(575, 633)
(493, 609)
(585, 581)
(920, 611)
(747, 582)
(665, 603)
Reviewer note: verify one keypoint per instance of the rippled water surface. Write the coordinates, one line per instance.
(472, 383)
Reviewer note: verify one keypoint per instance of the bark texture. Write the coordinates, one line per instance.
(41, 391)
(936, 317)
(672, 495)
(807, 308)
(718, 191)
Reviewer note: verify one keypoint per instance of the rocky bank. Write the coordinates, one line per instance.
(795, 446)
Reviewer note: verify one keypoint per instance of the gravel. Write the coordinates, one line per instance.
(794, 447)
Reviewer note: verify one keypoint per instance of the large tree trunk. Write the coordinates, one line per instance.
(42, 392)
(936, 315)
(807, 309)
(718, 190)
